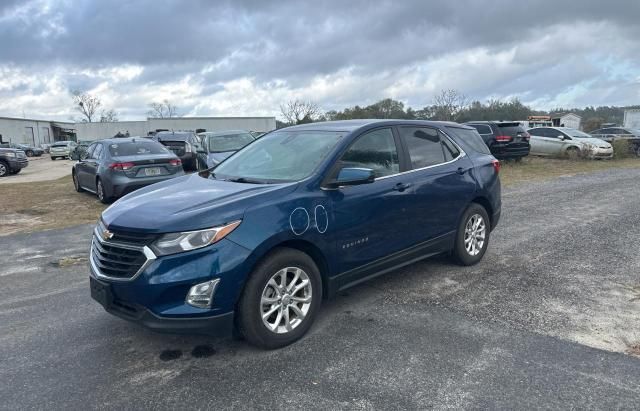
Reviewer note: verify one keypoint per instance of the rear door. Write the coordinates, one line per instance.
(441, 184)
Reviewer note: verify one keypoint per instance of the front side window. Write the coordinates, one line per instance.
(280, 156)
(375, 150)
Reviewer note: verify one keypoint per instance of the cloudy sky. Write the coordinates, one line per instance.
(247, 57)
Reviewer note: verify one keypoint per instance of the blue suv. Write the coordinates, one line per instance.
(256, 243)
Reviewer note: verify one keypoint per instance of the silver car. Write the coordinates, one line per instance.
(564, 141)
(61, 149)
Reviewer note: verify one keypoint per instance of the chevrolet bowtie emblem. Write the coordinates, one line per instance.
(107, 235)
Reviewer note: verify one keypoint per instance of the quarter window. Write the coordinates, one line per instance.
(375, 150)
(482, 129)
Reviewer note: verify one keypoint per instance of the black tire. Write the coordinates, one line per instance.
(101, 193)
(573, 153)
(4, 169)
(460, 253)
(76, 183)
(29, 153)
(53, 158)
(249, 313)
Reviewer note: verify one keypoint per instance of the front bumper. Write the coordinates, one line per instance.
(18, 163)
(155, 296)
(601, 153)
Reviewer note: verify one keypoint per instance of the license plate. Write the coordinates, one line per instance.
(152, 171)
(100, 292)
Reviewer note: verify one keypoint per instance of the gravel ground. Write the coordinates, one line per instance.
(543, 322)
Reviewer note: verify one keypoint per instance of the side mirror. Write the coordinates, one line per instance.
(352, 176)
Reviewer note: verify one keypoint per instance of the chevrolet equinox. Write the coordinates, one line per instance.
(255, 244)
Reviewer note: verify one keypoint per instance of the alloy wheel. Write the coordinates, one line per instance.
(3, 170)
(475, 234)
(286, 300)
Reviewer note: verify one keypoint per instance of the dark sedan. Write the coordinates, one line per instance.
(30, 151)
(114, 167)
(218, 145)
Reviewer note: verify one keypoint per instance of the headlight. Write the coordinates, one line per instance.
(10, 154)
(179, 242)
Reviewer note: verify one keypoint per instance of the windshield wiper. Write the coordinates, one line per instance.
(244, 180)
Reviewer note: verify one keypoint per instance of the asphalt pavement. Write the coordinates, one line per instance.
(544, 321)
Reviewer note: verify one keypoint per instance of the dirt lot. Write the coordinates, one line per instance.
(548, 320)
(40, 169)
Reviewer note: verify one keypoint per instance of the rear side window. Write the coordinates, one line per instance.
(375, 150)
(471, 138)
(425, 146)
(131, 148)
(482, 128)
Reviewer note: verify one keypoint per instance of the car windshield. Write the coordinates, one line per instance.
(228, 142)
(279, 157)
(576, 133)
(135, 148)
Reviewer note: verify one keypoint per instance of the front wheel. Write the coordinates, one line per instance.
(29, 153)
(472, 238)
(4, 169)
(53, 158)
(281, 299)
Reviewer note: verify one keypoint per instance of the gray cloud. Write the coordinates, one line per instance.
(546, 47)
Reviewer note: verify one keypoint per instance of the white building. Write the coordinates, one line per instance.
(34, 132)
(37, 132)
(632, 118)
(570, 120)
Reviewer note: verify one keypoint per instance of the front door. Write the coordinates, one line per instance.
(369, 220)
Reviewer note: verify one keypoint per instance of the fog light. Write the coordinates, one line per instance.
(201, 295)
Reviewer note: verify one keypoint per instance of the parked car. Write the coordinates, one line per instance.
(295, 216)
(61, 149)
(111, 168)
(506, 140)
(45, 147)
(218, 145)
(185, 144)
(12, 161)
(80, 149)
(564, 141)
(609, 134)
(30, 151)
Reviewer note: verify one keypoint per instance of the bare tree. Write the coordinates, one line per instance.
(86, 104)
(108, 116)
(298, 112)
(448, 104)
(163, 109)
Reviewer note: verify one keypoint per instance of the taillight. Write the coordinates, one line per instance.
(121, 166)
(496, 166)
(175, 162)
(526, 136)
(503, 139)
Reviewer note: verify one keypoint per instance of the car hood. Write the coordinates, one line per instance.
(188, 203)
(594, 141)
(216, 158)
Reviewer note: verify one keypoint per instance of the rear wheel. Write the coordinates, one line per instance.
(52, 158)
(76, 184)
(29, 153)
(101, 192)
(281, 299)
(472, 238)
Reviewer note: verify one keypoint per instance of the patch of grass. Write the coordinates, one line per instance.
(533, 168)
(42, 205)
(67, 261)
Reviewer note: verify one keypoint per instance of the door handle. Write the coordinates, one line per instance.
(461, 170)
(401, 187)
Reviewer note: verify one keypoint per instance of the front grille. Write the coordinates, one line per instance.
(21, 154)
(134, 239)
(114, 261)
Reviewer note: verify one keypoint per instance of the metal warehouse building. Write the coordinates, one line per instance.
(36, 132)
